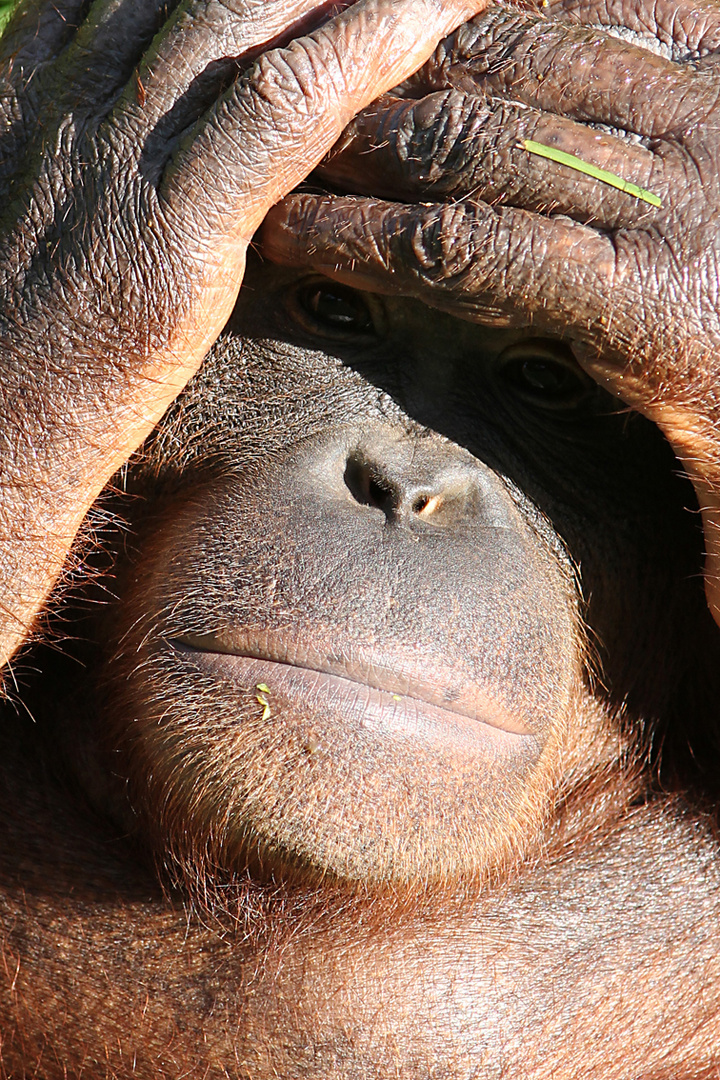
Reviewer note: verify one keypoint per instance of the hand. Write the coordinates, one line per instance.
(634, 287)
(136, 166)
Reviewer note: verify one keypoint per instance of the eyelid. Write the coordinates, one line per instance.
(543, 348)
(301, 312)
(552, 353)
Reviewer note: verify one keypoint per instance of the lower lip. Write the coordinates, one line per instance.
(292, 689)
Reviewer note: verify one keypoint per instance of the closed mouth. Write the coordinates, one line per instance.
(356, 681)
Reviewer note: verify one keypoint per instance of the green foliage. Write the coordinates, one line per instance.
(6, 10)
(605, 177)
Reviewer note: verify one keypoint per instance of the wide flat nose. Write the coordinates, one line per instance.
(414, 481)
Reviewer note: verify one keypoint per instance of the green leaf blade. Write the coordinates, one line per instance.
(603, 175)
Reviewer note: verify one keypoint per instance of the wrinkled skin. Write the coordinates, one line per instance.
(633, 287)
(171, 235)
(394, 748)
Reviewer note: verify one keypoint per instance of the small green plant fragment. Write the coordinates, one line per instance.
(262, 700)
(6, 10)
(602, 175)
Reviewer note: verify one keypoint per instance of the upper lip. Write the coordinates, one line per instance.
(362, 666)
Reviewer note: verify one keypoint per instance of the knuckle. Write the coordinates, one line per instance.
(289, 79)
(433, 141)
(440, 245)
(458, 143)
(491, 39)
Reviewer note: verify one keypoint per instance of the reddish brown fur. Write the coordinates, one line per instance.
(544, 904)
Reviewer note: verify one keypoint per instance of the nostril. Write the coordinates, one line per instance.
(427, 505)
(412, 488)
(369, 487)
(380, 496)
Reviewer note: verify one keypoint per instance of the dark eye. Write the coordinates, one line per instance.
(544, 373)
(334, 310)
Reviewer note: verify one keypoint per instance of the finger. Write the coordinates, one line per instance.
(108, 46)
(456, 145)
(581, 72)
(37, 32)
(205, 45)
(481, 263)
(678, 31)
(272, 128)
(64, 61)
